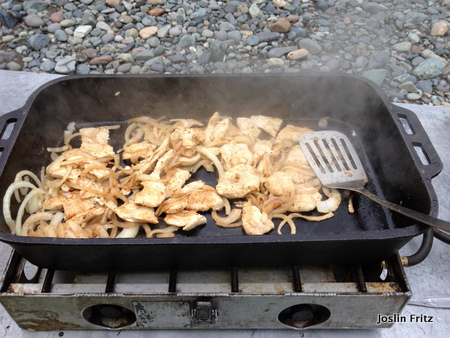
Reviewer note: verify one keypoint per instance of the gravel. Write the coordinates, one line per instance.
(403, 46)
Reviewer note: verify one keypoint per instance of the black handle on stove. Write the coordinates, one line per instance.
(428, 161)
(419, 144)
(10, 125)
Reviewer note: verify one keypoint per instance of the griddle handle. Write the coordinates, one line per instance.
(10, 125)
(413, 214)
(417, 141)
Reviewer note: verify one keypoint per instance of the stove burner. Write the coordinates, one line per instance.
(296, 297)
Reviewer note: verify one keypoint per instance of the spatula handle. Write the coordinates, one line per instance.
(418, 216)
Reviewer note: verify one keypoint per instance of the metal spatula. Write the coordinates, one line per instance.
(336, 163)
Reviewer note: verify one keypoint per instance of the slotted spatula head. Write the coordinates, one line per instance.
(334, 159)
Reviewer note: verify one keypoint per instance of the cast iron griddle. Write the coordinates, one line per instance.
(353, 105)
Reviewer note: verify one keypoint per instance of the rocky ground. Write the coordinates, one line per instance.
(402, 45)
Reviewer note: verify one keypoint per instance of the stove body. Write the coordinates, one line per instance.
(287, 297)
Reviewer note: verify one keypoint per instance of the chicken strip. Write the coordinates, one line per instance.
(95, 141)
(152, 194)
(136, 151)
(187, 220)
(270, 125)
(175, 179)
(204, 199)
(235, 153)
(292, 133)
(304, 202)
(255, 222)
(279, 183)
(247, 127)
(132, 212)
(238, 181)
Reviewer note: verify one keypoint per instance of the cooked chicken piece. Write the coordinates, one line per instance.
(179, 199)
(74, 204)
(219, 129)
(261, 149)
(87, 215)
(175, 179)
(270, 125)
(148, 164)
(235, 153)
(204, 199)
(187, 123)
(152, 194)
(304, 202)
(292, 133)
(187, 138)
(296, 157)
(279, 183)
(247, 127)
(95, 142)
(54, 203)
(76, 168)
(191, 187)
(136, 151)
(154, 190)
(132, 212)
(187, 220)
(255, 222)
(238, 181)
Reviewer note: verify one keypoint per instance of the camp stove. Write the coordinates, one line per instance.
(283, 297)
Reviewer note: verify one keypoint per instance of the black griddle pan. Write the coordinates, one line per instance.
(387, 137)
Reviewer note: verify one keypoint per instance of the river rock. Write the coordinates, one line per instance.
(255, 12)
(39, 41)
(156, 11)
(430, 68)
(280, 51)
(147, 32)
(313, 47)
(101, 60)
(282, 25)
(65, 65)
(56, 17)
(297, 54)
(90, 52)
(440, 28)
(33, 21)
(37, 5)
(82, 31)
(275, 62)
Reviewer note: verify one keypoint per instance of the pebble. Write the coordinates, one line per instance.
(52, 28)
(402, 47)
(82, 31)
(101, 60)
(282, 25)
(38, 41)
(56, 17)
(255, 12)
(67, 23)
(297, 54)
(312, 46)
(430, 68)
(440, 28)
(102, 25)
(147, 32)
(33, 21)
(65, 65)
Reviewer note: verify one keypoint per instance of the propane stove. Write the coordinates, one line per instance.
(285, 297)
